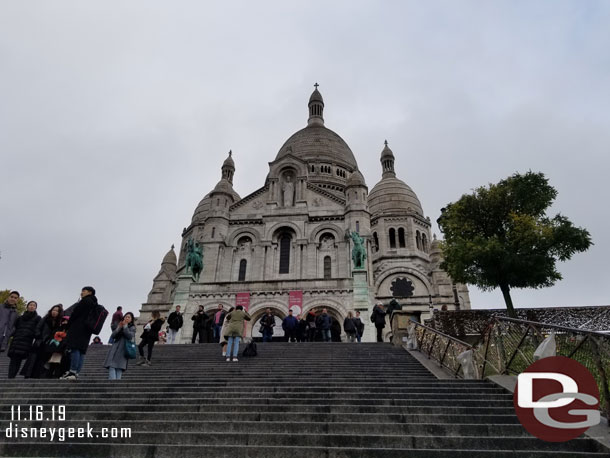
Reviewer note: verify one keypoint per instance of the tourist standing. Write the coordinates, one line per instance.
(24, 332)
(200, 322)
(8, 315)
(378, 318)
(116, 360)
(175, 322)
(149, 337)
(45, 331)
(219, 318)
(235, 330)
(290, 325)
(267, 325)
(359, 326)
(223, 335)
(350, 327)
(302, 329)
(116, 318)
(311, 325)
(78, 333)
(323, 323)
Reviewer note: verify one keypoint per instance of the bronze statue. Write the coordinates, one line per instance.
(194, 258)
(358, 252)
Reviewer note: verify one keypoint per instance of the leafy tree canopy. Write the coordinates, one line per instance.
(20, 302)
(500, 236)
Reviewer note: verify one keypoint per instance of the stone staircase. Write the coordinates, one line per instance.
(300, 400)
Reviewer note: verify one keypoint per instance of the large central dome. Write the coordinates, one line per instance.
(319, 144)
(316, 143)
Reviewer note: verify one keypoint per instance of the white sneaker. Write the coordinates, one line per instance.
(234, 360)
(224, 353)
(228, 359)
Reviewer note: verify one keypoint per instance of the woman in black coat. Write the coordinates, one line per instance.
(45, 331)
(23, 338)
(150, 336)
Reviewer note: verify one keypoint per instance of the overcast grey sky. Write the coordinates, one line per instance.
(115, 118)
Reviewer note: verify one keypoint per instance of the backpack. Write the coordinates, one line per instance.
(96, 318)
(250, 350)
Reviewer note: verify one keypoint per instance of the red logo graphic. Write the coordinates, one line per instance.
(557, 399)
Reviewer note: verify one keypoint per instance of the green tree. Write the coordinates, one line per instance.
(20, 302)
(500, 237)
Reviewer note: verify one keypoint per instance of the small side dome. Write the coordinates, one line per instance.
(393, 196)
(356, 179)
(170, 257)
(201, 212)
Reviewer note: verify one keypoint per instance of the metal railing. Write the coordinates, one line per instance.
(507, 346)
(440, 347)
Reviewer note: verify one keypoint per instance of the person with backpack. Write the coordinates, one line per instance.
(235, 330)
(150, 336)
(175, 322)
(23, 335)
(378, 318)
(116, 359)
(349, 326)
(290, 325)
(267, 325)
(79, 331)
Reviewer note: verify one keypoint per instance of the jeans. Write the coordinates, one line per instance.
(114, 373)
(76, 361)
(233, 342)
(326, 335)
(358, 337)
(267, 334)
(217, 329)
(171, 336)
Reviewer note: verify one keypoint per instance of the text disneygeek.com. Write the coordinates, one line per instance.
(55, 413)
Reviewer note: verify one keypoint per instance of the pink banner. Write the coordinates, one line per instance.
(243, 299)
(295, 302)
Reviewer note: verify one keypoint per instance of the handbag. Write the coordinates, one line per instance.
(130, 349)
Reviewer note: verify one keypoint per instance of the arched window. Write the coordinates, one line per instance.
(424, 242)
(418, 240)
(392, 238)
(401, 237)
(376, 241)
(242, 270)
(285, 240)
(327, 267)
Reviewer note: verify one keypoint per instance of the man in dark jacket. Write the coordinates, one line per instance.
(359, 326)
(175, 322)
(8, 315)
(200, 322)
(378, 318)
(323, 323)
(290, 325)
(267, 325)
(23, 335)
(78, 333)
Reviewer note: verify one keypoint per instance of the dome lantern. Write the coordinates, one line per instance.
(316, 108)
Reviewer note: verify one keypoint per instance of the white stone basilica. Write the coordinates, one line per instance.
(288, 240)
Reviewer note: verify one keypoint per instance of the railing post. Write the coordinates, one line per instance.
(602, 373)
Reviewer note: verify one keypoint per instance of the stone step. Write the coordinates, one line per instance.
(105, 450)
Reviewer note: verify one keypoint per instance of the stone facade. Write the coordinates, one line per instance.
(292, 234)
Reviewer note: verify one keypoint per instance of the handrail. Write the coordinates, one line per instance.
(507, 346)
